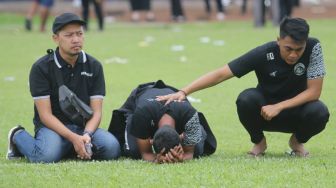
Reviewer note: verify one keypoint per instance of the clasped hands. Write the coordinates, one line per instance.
(79, 145)
(174, 155)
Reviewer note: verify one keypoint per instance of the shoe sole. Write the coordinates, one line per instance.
(10, 133)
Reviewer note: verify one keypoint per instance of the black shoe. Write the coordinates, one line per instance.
(12, 151)
(28, 25)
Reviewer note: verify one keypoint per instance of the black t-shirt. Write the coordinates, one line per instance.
(148, 112)
(85, 79)
(277, 79)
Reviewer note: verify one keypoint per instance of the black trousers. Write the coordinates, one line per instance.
(286, 7)
(303, 121)
(98, 10)
(140, 5)
(130, 148)
(244, 6)
(259, 13)
(220, 7)
(176, 8)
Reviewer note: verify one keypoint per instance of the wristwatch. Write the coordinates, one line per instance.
(89, 133)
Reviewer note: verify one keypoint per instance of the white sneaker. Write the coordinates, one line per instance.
(220, 16)
(135, 17)
(13, 152)
(150, 16)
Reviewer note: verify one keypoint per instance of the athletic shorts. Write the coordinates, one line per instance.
(46, 3)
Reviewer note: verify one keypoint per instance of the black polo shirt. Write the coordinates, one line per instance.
(148, 113)
(85, 79)
(277, 79)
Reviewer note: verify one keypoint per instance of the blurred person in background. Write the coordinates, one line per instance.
(220, 9)
(261, 7)
(177, 11)
(287, 6)
(98, 5)
(138, 6)
(45, 7)
(243, 7)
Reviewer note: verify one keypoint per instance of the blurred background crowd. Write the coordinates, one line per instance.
(140, 11)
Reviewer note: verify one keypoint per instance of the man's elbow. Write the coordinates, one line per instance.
(45, 118)
(315, 95)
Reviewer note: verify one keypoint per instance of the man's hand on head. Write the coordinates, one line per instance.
(160, 157)
(175, 155)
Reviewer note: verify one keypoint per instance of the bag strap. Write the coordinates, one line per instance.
(58, 74)
(54, 67)
(57, 70)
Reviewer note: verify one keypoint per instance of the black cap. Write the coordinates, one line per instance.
(64, 19)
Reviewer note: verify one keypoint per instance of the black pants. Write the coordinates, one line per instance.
(220, 7)
(286, 7)
(130, 148)
(259, 13)
(140, 5)
(176, 8)
(98, 10)
(244, 7)
(304, 121)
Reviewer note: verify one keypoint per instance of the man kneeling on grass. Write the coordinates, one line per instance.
(160, 133)
(62, 132)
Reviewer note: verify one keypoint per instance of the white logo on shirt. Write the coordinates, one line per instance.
(270, 56)
(87, 74)
(299, 69)
(273, 74)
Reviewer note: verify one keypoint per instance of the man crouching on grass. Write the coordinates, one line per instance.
(290, 73)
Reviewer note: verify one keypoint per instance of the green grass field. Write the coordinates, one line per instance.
(133, 54)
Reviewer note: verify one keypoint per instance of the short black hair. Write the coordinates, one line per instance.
(165, 137)
(296, 28)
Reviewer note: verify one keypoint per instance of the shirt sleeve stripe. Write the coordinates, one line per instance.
(41, 97)
(97, 97)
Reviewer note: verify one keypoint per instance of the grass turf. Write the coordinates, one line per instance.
(133, 54)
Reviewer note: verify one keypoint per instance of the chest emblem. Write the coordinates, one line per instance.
(86, 74)
(299, 69)
(273, 74)
(270, 56)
